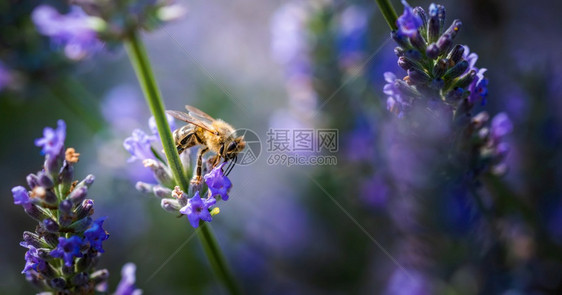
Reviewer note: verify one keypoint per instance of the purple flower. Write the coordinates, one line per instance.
(96, 234)
(479, 87)
(218, 183)
(139, 145)
(408, 23)
(501, 126)
(52, 140)
(74, 30)
(154, 129)
(471, 58)
(67, 249)
(32, 259)
(395, 101)
(127, 284)
(198, 209)
(21, 197)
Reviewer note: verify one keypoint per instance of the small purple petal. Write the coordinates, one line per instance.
(139, 145)
(127, 284)
(218, 183)
(52, 141)
(408, 23)
(21, 197)
(197, 209)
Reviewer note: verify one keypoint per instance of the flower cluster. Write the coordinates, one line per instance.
(81, 30)
(173, 199)
(438, 72)
(443, 76)
(67, 243)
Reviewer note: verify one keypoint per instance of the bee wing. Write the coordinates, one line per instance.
(191, 120)
(197, 113)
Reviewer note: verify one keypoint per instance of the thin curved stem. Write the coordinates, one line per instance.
(388, 12)
(139, 59)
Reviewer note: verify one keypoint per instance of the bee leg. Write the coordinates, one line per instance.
(197, 177)
(216, 160)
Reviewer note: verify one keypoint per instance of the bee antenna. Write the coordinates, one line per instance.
(231, 165)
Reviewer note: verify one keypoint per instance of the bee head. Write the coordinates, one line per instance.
(230, 149)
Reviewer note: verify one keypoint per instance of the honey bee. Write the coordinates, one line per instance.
(213, 135)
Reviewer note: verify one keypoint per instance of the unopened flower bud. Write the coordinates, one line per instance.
(432, 26)
(422, 15)
(457, 53)
(170, 205)
(465, 80)
(432, 51)
(50, 225)
(453, 29)
(33, 239)
(65, 209)
(143, 187)
(161, 172)
(86, 208)
(444, 43)
(36, 212)
(44, 180)
(161, 192)
(78, 195)
(66, 176)
(32, 180)
(418, 77)
(456, 71)
(418, 42)
(399, 51)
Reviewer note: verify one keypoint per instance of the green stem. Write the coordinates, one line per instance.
(139, 59)
(388, 12)
(141, 63)
(216, 258)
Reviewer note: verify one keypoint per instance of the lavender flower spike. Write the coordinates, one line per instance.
(62, 252)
